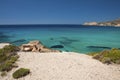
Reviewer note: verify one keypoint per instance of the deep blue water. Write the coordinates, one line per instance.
(75, 38)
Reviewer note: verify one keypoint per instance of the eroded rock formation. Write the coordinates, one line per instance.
(36, 46)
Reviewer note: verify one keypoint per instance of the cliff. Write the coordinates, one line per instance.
(115, 23)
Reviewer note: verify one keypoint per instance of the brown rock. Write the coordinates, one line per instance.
(34, 42)
(36, 46)
(27, 47)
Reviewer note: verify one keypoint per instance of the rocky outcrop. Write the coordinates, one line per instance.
(115, 23)
(36, 46)
(27, 47)
(91, 23)
(57, 46)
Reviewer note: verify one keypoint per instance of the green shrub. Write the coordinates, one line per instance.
(10, 48)
(92, 53)
(7, 52)
(108, 56)
(7, 66)
(117, 61)
(1, 52)
(13, 58)
(3, 58)
(8, 57)
(20, 73)
(3, 74)
(106, 60)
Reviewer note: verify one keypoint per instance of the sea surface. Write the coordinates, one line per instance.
(76, 38)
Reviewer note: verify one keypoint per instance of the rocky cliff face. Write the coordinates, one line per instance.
(115, 23)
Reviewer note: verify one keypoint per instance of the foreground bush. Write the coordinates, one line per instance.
(7, 52)
(11, 48)
(108, 56)
(20, 73)
(8, 56)
(13, 59)
(7, 66)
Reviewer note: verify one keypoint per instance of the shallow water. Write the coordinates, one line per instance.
(75, 38)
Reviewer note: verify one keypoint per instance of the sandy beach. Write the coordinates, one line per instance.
(3, 44)
(64, 66)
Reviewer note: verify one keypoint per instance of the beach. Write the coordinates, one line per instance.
(63, 66)
(59, 40)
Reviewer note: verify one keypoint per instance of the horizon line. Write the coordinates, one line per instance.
(41, 24)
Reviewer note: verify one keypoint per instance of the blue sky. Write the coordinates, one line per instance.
(57, 11)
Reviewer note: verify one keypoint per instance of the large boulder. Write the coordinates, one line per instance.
(27, 47)
(36, 46)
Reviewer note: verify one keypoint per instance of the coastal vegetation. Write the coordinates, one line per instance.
(107, 56)
(8, 57)
(21, 72)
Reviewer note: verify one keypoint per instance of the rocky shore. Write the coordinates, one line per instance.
(61, 66)
(115, 23)
(36, 46)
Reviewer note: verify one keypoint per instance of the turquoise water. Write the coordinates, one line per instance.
(75, 38)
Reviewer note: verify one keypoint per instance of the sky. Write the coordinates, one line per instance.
(57, 11)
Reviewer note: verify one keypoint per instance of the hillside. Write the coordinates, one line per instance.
(115, 23)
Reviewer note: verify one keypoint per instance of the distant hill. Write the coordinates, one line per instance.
(115, 23)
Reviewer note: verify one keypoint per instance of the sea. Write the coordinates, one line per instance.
(70, 38)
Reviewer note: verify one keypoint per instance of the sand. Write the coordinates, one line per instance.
(3, 44)
(64, 66)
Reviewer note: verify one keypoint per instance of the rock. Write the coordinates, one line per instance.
(99, 47)
(67, 50)
(51, 38)
(35, 42)
(27, 47)
(115, 23)
(57, 46)
(36, 46)
(91, 23)
(67, 41)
